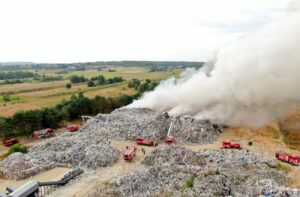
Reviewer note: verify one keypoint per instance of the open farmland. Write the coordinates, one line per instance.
(34, 95)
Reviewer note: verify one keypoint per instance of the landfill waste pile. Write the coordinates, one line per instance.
(176, 171)
(89, 147)
(70, 149)
(130, 123)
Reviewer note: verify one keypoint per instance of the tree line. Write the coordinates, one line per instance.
(98, 80)
(142, 87)
(25, 122)
(12, 81)
(16, 75)
(13, 77)
(86, 65)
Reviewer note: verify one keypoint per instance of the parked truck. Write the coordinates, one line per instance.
(45, 133)
(72, 128)
(145, 141)
(129, 153)
(10, 142)
(231, 145)
(289, 158)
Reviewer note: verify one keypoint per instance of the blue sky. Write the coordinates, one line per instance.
(91, 30)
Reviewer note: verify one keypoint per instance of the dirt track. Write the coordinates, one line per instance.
(53, 174)
(97, 179)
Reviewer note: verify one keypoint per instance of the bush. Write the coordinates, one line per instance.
(68, 86)
(6, 98)
(77, 79)
(91, 84)
(12, 81)
(17, 148)
(283, 168)
(45, 78)
(148, 85)
(190, 182)
(134, 83)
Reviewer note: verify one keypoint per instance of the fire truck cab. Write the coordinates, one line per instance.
(170, 140)
(129, 153)
(230, 144)
(45, 133)
(10, 142)
(144, 141)
(72, 128)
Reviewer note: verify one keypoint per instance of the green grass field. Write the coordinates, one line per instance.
(35, 95)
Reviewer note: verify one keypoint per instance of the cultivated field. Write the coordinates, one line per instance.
(34, 95)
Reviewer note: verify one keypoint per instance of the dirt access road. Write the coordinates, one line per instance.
(94, 180)
(53, 174)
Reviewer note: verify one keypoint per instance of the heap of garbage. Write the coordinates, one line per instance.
(87, 150)
(128, 124)
(89, 147)
(204, 173)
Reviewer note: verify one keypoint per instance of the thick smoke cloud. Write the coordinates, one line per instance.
(251, 82)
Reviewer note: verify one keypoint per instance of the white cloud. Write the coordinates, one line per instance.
(89, 30)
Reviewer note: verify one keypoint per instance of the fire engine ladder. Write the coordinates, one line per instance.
(170, 129)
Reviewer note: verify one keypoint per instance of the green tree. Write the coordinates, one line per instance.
(68, 86)
(101, 80)
(25, 122)
(51, 117)
(77, 79)
(91, 84)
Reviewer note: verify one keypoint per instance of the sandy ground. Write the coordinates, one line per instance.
(266, 141)
(53, 174)
(97, 179)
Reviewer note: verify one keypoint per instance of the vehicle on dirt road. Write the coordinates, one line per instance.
(45, 133)
(145, 141)
(10, 142)
(289, 158)
(129, 153)
(227, 144)
(72, 128)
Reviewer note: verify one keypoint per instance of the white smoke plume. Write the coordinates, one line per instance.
(251, 82)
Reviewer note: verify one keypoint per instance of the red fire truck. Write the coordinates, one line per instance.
(289, 158)
(231, 144)
(129, 153)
